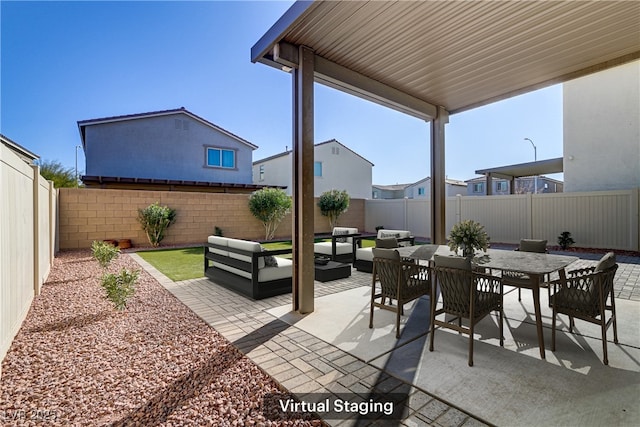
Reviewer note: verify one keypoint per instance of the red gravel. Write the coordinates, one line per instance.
(78, 361)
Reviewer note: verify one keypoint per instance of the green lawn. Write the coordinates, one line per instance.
(187, 263)
(177, 264)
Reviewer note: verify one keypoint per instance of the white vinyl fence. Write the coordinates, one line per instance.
(27, 240)
(599, 219)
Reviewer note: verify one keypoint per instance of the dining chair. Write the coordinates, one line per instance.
(520, 280)
(583, 294)
(400, 280)
(466, 294)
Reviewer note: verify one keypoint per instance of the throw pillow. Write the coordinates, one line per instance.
(339, 232)
(269, 260)
(387, 243)
(386, 235)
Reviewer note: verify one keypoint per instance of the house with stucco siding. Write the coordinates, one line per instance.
(336, 166)
(164, 148)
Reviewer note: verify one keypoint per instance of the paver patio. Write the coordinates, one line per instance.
(305, 356)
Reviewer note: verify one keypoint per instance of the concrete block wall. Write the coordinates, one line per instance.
(99, 214)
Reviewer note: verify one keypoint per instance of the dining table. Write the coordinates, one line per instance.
(535, 265)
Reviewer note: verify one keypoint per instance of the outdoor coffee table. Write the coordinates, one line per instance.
(332, 271)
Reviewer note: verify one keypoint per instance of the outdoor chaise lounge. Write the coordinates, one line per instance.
(364, 256)
(247, 268)
(341, 246)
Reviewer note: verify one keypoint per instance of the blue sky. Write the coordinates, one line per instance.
(67, 61)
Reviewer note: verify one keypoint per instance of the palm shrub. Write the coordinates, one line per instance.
(155, 220)
(269, 206)
(332, 204)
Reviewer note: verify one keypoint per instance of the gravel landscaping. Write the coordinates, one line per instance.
(78, 361)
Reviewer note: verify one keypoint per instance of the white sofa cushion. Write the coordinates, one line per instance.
(217, 240)
(365, 254)
(325, 248)
(344, 230)
(399, 234)
(282, 271)
(245, 245)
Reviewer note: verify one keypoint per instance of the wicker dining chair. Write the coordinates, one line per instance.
(520, 280)
(583, 294)
(402, 281)
(466, 294)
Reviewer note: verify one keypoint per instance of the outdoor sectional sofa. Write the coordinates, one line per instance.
(363, 260)
(245, 267)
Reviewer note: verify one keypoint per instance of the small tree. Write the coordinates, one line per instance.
(332, 204)
(54, 171)
(565, 240)
(104, 253)
(155, 220)
(270, 206)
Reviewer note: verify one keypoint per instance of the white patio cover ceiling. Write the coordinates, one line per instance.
(455, 54)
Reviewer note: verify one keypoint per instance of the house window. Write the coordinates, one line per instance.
(261, 173)
(478, 187)
(375, 195)
(501, 186)
(221, 158)
(420, 191)
(335, 150)
(317, 168)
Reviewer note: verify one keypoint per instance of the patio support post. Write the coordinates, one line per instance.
(489, 180)
(438, 189)
(302, 183)
(512, 185)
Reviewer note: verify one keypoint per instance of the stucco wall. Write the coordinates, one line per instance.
(602, 130)
(156, 147)
(342, 169)
(96, 214)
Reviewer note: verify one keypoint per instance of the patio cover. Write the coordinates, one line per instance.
(431, 59)
(511, 172)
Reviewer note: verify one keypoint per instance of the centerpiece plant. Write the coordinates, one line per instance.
(468, 236)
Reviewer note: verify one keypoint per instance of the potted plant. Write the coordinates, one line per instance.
(468, 236)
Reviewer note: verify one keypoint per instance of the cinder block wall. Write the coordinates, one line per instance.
(97, 214)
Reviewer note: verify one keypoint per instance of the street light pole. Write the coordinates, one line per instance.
(535, 159)
(77, 146)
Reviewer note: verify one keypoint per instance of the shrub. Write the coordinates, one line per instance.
(155, 220)
(468, 235)
(565, 240)
(217, 231)
(104, 252)
(332, 204)
(120, 287)
(270, 206)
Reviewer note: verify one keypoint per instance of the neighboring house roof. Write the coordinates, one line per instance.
(25, 154)
(525, 169)
(285, 153)
(395, 187)
(82, 124)
(132, 182)
(483, 179)
(403, 186)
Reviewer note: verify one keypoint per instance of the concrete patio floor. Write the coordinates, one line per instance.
(332, 350)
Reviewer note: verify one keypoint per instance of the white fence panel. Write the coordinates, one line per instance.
(505, 218)
(390, 214)
(16, 240)
(27, 240)
(602, 219)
